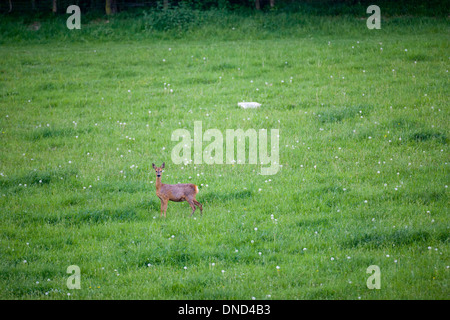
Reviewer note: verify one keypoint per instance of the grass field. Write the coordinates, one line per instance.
(363, 118)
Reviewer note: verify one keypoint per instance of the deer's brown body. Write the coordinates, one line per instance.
(175, 192)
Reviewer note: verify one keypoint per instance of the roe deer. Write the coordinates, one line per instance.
(175, 192)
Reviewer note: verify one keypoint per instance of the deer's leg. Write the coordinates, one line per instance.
(198, 204)
(191, 203)
(162, 207)
(165, 207)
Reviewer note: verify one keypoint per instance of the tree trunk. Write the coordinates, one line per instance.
(166, 4)
(10, 6)
(55, 7)
(114, 6)
(272, 3)
(110, 7)
(257, 5)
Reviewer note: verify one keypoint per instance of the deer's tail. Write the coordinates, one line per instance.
(196, 189)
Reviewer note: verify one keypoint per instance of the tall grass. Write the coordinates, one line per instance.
(183, 21)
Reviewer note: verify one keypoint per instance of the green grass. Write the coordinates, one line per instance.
(363, 148)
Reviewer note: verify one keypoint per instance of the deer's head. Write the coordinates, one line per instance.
(158, 170)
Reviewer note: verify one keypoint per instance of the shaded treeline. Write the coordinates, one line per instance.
(109, 7)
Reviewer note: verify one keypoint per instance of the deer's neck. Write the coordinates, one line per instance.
(158, 183)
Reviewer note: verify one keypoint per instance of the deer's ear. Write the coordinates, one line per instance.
(162, 166)
(153, 165)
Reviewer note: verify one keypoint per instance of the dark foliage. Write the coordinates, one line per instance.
(317, 7)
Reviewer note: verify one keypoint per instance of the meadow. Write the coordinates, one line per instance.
(363, 180)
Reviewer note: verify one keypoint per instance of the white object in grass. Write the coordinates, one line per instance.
(246, 105)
